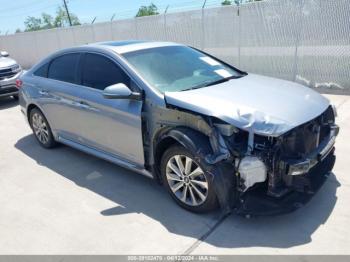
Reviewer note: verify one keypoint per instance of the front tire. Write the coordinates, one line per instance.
(41, 128)
(187, 181)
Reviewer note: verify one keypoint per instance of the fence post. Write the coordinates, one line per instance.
(202, 23)
(136, 31)
(165, 27)
(111, 29)
(239, 33)
(298, 14)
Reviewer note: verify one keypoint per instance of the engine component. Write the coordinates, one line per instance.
(225, 129)
(252, 170)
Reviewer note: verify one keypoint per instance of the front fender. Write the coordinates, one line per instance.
(193, 140)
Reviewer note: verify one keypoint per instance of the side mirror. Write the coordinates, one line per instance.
(4, 53)
(120, 91)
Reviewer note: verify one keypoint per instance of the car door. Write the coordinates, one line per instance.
(112, 126)
(59, 93)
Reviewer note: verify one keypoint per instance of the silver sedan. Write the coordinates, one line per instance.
(211, 133)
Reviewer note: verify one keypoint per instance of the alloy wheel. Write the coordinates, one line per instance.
(40, 128)
(186, 180)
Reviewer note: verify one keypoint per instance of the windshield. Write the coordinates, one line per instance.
(178, 68)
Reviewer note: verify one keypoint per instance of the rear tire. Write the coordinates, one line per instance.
(187, 181)
(41, 129)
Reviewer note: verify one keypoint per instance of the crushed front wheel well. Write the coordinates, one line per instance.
(162, 146)
(184, 136)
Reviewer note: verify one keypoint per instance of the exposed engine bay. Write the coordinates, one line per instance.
(281, 165)
(280, 169)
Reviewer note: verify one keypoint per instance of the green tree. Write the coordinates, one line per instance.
(46, 21)
(226, 2)
(152, 9)
(239, 2)
(32, 23)
(18, 30)
(62, 20)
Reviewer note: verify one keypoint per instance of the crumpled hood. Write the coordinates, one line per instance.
(263, 105)
(6, 62)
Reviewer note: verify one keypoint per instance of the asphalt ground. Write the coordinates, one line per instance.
(63, 201)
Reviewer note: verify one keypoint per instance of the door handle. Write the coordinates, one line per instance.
(43, 92)
(84, 104)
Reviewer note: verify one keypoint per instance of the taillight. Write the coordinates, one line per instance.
(19, 83)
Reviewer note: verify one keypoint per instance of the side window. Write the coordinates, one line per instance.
(64, 67)
(42, 71)
(100, 72)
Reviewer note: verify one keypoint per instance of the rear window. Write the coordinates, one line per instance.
(42, 71)
(64, 68)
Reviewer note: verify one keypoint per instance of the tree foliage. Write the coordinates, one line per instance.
(226, 2)
(152, 9)
(47, 21)
(238, 2)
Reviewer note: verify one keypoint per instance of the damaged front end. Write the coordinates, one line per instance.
(282, 173)
(255, 174)
(260, 164)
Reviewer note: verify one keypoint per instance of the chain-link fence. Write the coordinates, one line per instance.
(307, 41)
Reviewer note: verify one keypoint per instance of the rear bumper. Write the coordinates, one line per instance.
(8, 91)
(256, 202)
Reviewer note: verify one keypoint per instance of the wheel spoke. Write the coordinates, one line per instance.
(188, 165)
(200, 194)
(45, 136)
(35, 121)
(197, 172)
(179, 164)
(177, 186)
(173, 177)
(40, 137)
(202, 184)
(184, 193)
(173, 167)
(45, 131)
(35, 125)
(40, 119)
(193, 198)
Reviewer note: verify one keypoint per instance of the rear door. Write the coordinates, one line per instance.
(109, 125)
(59, 93)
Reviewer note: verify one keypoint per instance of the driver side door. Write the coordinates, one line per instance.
(111, 126)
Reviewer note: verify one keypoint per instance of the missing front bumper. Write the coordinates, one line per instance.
(256, 202)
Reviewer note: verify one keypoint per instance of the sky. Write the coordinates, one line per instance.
(13, 13)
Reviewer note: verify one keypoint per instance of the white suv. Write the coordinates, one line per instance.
(10, 71)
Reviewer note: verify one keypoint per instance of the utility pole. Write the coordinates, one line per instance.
(65, 5)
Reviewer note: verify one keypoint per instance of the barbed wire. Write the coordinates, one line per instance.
(179, 6)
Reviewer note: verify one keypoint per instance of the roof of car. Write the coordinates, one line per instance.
(121, 47)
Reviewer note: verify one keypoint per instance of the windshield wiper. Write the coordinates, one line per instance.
(205, 84)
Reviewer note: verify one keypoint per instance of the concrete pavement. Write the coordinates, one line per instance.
(62, 201)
